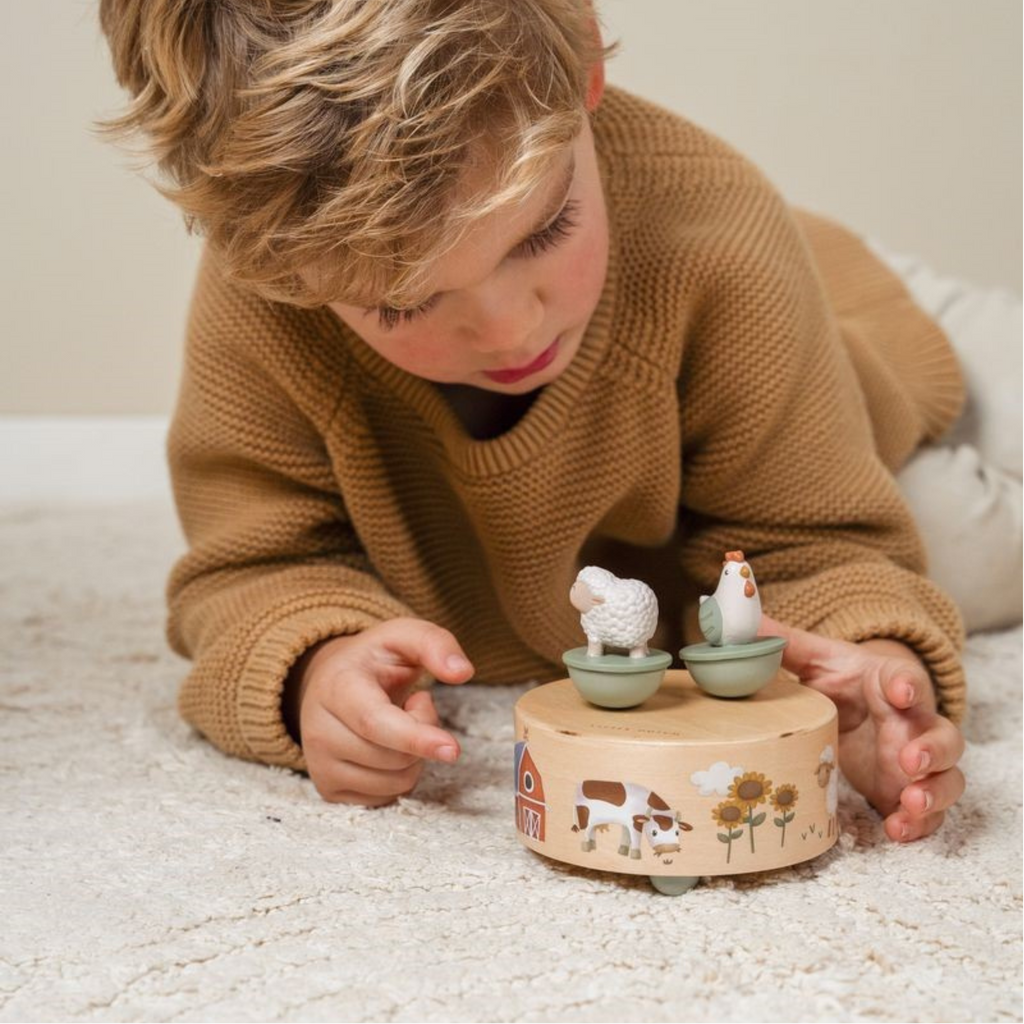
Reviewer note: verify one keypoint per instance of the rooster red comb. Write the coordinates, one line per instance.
(734, 556)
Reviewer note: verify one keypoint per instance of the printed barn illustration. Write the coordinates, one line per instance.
(531, 810)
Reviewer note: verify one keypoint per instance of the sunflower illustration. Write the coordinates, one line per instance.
(785, 796)
(749, 790)
(784, 800)
(729, 814)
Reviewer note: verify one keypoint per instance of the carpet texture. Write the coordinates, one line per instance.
(147, 876)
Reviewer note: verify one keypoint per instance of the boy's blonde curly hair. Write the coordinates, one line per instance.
(322, 145)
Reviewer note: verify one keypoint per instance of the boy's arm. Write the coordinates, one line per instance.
(779, 458)
(273, 563)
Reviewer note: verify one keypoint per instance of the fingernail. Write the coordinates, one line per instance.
(927, 800)
(456, 663)
(908, 694)
(924, 761)
(904, 833)
(448, 754)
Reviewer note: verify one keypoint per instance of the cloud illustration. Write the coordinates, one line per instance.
(716, 779)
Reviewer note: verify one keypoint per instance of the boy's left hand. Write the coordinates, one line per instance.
(894, 747)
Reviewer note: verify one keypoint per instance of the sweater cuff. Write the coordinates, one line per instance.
(858, 622)
(273, 651)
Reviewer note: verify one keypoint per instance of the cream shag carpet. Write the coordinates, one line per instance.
(145, 875)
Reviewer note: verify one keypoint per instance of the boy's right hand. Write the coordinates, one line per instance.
(363, 732)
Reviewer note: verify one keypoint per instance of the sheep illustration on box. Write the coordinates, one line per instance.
(626, 745)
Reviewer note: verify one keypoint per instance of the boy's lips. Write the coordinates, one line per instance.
(521, 373)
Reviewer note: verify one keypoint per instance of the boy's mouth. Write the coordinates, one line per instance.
(521, 373)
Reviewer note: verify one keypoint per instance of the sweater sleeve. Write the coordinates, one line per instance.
(780, 459)
(273, 564)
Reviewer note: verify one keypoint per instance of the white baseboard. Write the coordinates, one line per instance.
(83, 458)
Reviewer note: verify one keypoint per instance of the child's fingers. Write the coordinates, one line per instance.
(345, 782)
(805, 653)
(936, 793)
(419, 642)
(340, 796)
(421, 706)
(372, 716)
(936, 749)
(357, 778)
(329, 737)
(902, 828)
(906, 685)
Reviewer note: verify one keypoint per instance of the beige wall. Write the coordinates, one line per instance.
(901, 118)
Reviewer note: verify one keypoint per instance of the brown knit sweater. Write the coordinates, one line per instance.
(749, 379)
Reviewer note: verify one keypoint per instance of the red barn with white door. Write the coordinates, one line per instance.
(531, 809)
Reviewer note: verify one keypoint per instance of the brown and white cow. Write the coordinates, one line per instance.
(636, 809)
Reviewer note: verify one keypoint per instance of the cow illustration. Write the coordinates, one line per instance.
(635, 809)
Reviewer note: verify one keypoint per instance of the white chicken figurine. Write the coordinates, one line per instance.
(732, 614)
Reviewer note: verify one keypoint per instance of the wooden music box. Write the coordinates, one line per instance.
(687, 781)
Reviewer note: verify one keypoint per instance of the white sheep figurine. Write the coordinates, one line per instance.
(614, 612)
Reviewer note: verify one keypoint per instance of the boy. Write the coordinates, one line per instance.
(467, 321)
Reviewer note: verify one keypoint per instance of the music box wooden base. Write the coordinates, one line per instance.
(683, 786)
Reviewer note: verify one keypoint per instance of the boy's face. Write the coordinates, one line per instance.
(510, 303)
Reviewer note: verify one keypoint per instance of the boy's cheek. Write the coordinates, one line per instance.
(584, 274)
(423, 358)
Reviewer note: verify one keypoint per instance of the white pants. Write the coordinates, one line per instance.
(965, 491)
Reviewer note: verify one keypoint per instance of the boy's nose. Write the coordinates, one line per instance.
(508, 324)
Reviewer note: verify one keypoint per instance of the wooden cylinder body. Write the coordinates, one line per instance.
(684, 785)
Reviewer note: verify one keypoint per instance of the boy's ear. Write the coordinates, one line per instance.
(595, 87)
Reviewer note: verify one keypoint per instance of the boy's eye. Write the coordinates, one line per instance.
(549, 237)
(389, 317)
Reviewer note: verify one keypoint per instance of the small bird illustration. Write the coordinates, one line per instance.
(732, 614)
